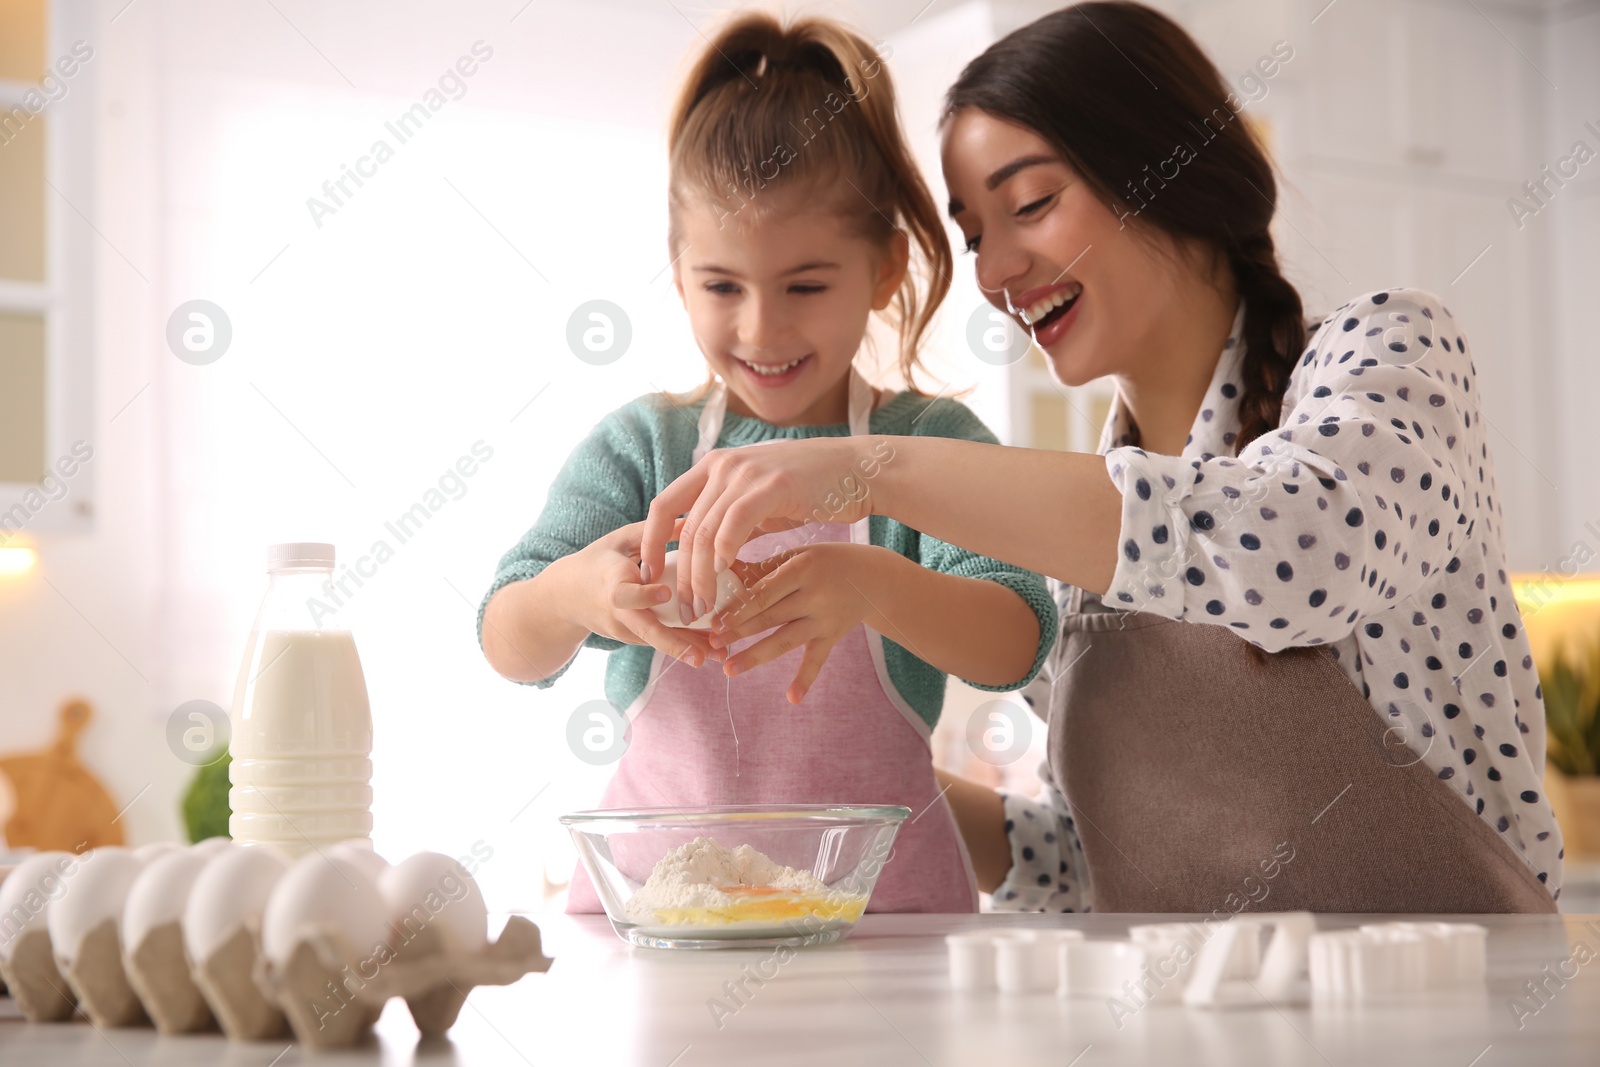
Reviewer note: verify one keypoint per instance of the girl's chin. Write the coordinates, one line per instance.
(783, 403)
(776, 406)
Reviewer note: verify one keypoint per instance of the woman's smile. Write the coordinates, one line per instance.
(1049, 311)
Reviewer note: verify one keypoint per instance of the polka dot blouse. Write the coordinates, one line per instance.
(1369, 522)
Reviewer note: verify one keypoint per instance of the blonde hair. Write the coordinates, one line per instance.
(760, 85)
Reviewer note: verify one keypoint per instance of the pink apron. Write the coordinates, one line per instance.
(699, 737)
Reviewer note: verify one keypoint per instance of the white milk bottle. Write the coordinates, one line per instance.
(301, 724)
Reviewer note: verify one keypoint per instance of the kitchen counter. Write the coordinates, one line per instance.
(882, 997)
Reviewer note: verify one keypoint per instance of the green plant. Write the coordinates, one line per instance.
(1572, 711)
(205, 804)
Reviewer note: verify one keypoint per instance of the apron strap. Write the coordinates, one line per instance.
(863, 399)
(711, 417)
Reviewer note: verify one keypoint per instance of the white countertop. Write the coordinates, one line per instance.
(883, 997)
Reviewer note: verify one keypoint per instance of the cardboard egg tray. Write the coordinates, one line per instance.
(316, 994)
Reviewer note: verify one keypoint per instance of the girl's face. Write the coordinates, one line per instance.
(1051, 253)
(779, 305)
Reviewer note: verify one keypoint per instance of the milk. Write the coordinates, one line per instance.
(301, 724)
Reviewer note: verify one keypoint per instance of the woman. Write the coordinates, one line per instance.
(1290, 666)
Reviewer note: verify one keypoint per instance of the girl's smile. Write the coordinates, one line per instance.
(774, 375)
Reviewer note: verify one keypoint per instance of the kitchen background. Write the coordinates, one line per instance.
(360, 336)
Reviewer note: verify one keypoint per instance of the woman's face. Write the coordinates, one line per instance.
(1051, 253)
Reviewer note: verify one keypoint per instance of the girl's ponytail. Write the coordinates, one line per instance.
(768, 105)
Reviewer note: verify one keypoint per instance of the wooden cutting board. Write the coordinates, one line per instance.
(59, 803)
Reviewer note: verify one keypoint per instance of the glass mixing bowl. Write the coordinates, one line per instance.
(698, 899)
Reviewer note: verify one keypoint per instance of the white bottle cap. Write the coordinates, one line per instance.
(293, 554)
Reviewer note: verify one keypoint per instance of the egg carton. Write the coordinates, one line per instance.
(327, 1008)
(1267, 959)
(221, 935)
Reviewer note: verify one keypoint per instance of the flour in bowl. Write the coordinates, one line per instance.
(705, 880)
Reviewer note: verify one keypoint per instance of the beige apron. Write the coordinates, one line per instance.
(1193, 771)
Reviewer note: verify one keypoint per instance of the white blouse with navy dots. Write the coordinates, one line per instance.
(1369, 522)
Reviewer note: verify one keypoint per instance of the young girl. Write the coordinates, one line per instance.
(791, 193)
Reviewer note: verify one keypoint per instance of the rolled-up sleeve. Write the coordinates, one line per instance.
(955, 420)
(600, 488)
(1354, 501)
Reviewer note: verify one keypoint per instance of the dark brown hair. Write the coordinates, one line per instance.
(808, 105)
(1116, 86)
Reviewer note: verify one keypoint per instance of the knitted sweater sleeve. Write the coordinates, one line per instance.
(606, 483)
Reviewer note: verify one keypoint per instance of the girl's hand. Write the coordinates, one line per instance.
(735, 492)
(814, 595)
(616, 603)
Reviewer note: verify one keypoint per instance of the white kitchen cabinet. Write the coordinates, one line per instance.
(1438, 86)
(1400, 131)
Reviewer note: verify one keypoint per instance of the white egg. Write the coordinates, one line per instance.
(728, 588)
(159, 894)
(96, 892)
(323, 894)
(431, 888)
(230, 891)
(211, 845)
(360, 852)
(28, 892)
(146, 853)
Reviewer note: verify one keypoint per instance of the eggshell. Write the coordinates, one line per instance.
(159, 894)
(728, 588)
(360, 852)
(96, 892)
(146, 853)
(230, 891)
(433, 889)
(28, 892)
(324, 894)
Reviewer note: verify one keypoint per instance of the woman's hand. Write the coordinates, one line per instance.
(612, 600)
(814, 595)
(735, 492)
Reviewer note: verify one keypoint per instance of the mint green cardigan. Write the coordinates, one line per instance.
(637, 450)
